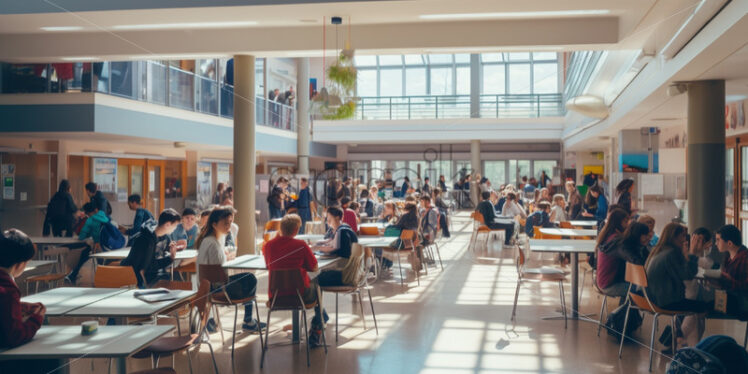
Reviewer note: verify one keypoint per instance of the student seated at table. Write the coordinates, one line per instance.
(284, 252)
(367, 205)
(91, 232)
(349, 216)
(613, 253)
(141, 215)
(485, 208)
(187, 231)
(596, 205)
(650, 222)
(152, 250)
(734, 275)
(540, 218)
(670, 264)
(574, 206)
(613, 228)
(429, 218)
(19, 321)
(511, 208)
(212, 251)
(340, 236)
(389, 213)
(558, 209)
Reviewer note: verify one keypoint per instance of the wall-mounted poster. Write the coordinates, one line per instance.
(222, 174)
(204, 190)
(105, 174)
(8, 177)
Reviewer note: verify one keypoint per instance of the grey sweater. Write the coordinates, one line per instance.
(666, 272)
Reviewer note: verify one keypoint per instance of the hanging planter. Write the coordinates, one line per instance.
(337, 101)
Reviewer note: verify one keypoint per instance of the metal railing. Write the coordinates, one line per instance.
(458, 106)
(147, 81)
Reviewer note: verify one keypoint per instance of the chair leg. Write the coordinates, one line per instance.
(563, 302)
(218, 322)
(652, 341)
(516, 296)
(602, 308)
(306, 333)
(581, 287)
(233, 336)
(213, 356)
(400, 267)
(623, 333)
(257, 311)
(745, 340)
(674, 341)
(189, 359)
(371, 303)
(418, 273)
(336, 317)
(361, 306)
(267, 337)
(439, 254)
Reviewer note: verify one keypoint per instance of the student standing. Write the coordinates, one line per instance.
(623, 194)
(98, 199)
(60, 212)
(304, 203)
(141, 215)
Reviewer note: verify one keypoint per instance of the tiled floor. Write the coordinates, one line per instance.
(457, 321)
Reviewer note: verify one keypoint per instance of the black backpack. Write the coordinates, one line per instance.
(614, 323)
(56, 206)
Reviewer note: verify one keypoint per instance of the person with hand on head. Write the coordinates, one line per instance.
(734, 275)
(141, 215)
(186, 232)
(152, 249)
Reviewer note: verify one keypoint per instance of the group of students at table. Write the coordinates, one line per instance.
(672, 262)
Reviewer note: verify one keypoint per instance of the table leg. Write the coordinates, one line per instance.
(63, 365)
(122, 365)
(575, 285)
(295, 330)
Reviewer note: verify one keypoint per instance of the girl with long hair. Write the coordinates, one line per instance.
(623, 194)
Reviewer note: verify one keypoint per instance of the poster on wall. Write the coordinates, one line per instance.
(204, 178)
(222, 174)
(105, 174)
(8, 177)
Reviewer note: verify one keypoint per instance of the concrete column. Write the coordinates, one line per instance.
(302, 114)
(475, 81)
(192, 157)
(706, 154)
(476, 166)
(62, 161)
(244, 152)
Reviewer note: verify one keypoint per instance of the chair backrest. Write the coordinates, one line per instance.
(354, 272)
(269, 235)
(173, 285)
(636, 274)
(565, 225)
(114, 277)
(536, 233)
(477, 216)
(213, 273)
(272, 225)
(286, 282)
(368, 230)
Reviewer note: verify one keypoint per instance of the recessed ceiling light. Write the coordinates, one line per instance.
(541, 14)
(184, 25)
(79, 58)
(61, 28)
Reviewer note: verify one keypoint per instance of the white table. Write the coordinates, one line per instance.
(378, 225)
(66, 342)
(572, 233)
(575, 247)
(310, 237)
(376, 241)
(584, 224)
(38, 264)
(125, 304)
(121, 254)
(60, 301)
(54, 240)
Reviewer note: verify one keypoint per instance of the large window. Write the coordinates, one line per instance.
(367, 83)
(415, 81)
(391, 82)
(441, 81)
(519, 73)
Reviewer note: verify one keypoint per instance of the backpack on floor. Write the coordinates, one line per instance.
(690, 360)
(732, 355)
(614, 323)
(111, 238)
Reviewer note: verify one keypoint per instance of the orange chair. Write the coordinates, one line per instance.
(636, 275)
(479, 227)
(114, 277)
(565, 225)
(542, 274)
(287, 286)
(408, 238)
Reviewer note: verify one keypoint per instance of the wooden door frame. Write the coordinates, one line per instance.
(161, 183)
(130, 162)
(736, 145)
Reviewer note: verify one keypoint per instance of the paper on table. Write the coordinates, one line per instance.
(155, 295)
(712, 273)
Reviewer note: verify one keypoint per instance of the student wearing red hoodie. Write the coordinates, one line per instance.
(19, 321)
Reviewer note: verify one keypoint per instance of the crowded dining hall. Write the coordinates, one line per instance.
(373, 187)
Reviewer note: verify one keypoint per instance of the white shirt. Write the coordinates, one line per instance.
(512, 209)
(558, 213)
(211, 252)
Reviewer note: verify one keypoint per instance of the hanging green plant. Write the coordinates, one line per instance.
(342, 74)
(347, 110)
(339, 103)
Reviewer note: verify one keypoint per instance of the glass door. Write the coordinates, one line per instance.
(155, 186)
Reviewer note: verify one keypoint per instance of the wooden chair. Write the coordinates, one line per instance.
(542, 274)
(216, 274)
(186, 270)
(479, 227)
(287, 287)
(171, 345)
(565, 225)
(408, 238)
(53, 279)
(114, 277)
(636, 275)
(178, 311)
(357, 260)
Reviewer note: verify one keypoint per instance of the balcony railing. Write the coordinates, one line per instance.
(458, 106)
(147, 81)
